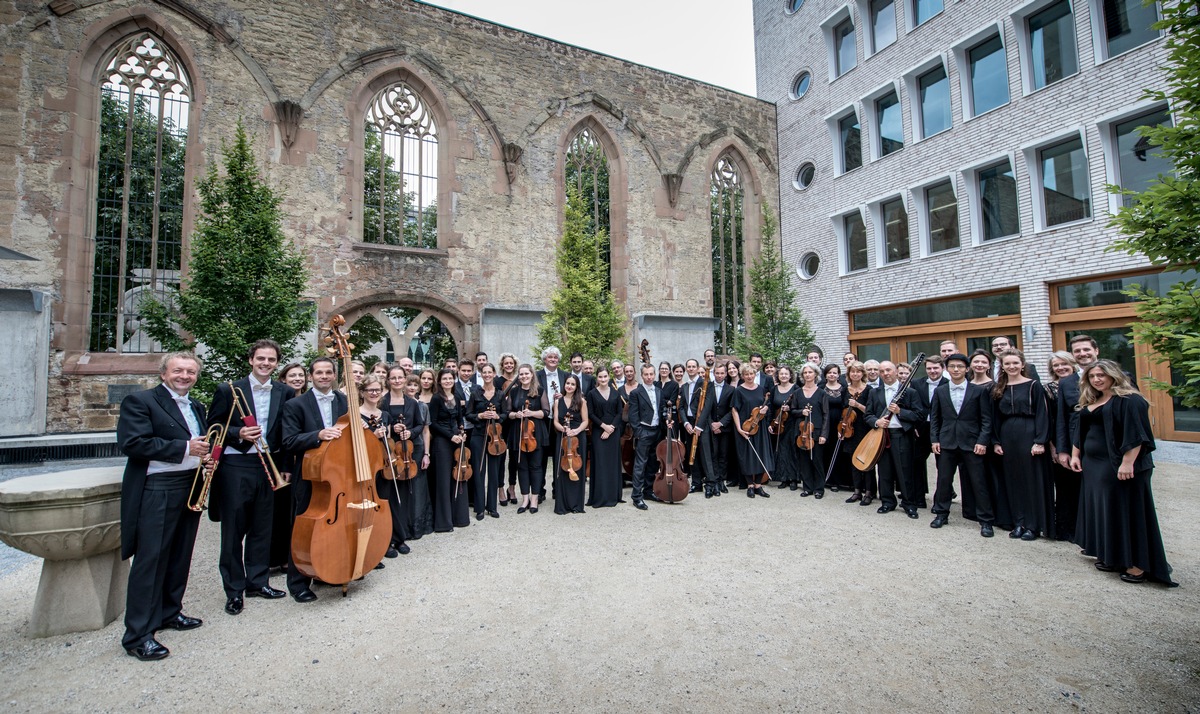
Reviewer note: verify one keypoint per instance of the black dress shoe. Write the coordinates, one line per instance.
(985, 530)
(885, 509)
(404, 549)
(911, 513)
(762, 492)
(1016, 532)
(795, 486)
(695, 489)
(533, 509)
(182, 622)
(939, 520)
(234, 605)
(652, 497)
(708, 491)
(522, 509)
(640, 505)
(1131, 578)
(1106, 568)
(494, 514)
(819, 495)
(479, 516)
(835, 489)
(749, 493)
(855, 498)
(148, 650)
(1029, 535)
(379, 566)
(391, 553)
(723, 488)
(266, 591)
(304, 595)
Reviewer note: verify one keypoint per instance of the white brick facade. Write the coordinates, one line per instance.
(787, 43)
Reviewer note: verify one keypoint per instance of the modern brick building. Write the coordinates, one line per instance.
(944, 166)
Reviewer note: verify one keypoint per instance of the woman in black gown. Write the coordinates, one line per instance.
(1022, 431)
(857, 392)
(1117, 523)
(604, 412)
(753, 450)
(993, 464)
(1066, 482)
(421, 388)
(838, 477)
(570, 419)
(784, 427)
(488, 480)
(525, 404)
(733, 467)
(404, 418)
(505, 379)
(812, 405)
(446, 415)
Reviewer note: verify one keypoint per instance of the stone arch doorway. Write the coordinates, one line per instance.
(391, 330)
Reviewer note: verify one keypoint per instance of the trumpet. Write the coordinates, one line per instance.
(274, 477)
(202, 481)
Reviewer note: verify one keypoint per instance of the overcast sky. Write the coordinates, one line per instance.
(709, 40)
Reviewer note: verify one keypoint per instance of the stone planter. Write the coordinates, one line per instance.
(72, 519)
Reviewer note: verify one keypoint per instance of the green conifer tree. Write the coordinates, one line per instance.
(778, 329)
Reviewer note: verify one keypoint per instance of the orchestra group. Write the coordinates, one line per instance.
(1066, 457)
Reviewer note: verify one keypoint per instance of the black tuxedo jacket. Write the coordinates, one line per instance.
(302, 423)
(691, 399)
(911, 411)
(544, 384)
(964, 429)
(222, 405)
(641, 413)
(1066, 418)
(722, 409)
(150, 428)
(921, 386)
(586, 383)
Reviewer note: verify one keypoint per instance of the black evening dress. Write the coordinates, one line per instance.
(568, 493)
(787, 460)
(1117, 522)
(812, 465)
(863, 481)
(753, 454)
(606, 453)
(1021, 422)
(422, 503)
(839, 476)
(450, 507)
(401, 493)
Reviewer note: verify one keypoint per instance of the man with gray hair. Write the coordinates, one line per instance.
(551, 379)
(617, 368)
(871, 367)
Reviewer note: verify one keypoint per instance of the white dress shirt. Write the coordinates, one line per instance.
(958, 393)
(889, 393)
(325, 404)
(189, 463)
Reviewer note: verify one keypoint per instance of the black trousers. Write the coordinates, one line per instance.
(921, 451)
(531, 472)
(644, 464)
(301, 495)
(970, 468)
(1066, 502)
(247, 511)
(489, 472)
(720, 456)
(166, 535)
(812, 468)
(895, 467)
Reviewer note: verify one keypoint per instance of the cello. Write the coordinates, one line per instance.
(347, 527)
(871, 448)
(671, 483)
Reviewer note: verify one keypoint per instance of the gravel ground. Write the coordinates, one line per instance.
(727, 604)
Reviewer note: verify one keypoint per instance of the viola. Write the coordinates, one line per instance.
(404, 455)
(804, 440)
(495, 434)
(529, 442)
(462, 459)
(671, 483)
(750, 425)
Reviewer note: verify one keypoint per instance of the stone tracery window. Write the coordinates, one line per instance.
(144, 103)
(587, 171)
(728, 256)
(400, 170)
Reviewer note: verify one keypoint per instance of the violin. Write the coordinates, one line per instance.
(845, 427)
(529, 442)
(671, 483)
(805, 438)
(570, 460)
(750, 425)
(462, 459)
(404, 454)
(495, 435)
(374, 423)
(781, 416)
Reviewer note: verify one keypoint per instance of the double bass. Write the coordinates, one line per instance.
(874, 442)
(671, 484)
(348, 526)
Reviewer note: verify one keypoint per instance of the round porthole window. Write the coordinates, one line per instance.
(810, 263)
(800, 85)
(805, 175)
(791, 6)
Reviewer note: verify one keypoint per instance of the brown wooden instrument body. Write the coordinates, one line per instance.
(699, 411)
(750, 425)
(495, 439)
(845, 428)
(347, 527)
(462, 460)
(529, 442)
(671, 484)
(804, 440)
(406, 465)
(870, 449)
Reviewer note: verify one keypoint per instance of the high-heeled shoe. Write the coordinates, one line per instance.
(522, 509)
(502, 501)
(856, 497)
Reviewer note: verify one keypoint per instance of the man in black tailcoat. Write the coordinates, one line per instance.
(960, 423)
(162, 432)
(924, 388)
(895, 464)
(647, 417)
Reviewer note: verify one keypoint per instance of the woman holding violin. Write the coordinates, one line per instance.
(604, 415)
(811, 409)
(751, 410)
(784, 429)
(837, 478)
(570, 418)
(487, 443)
(526, 408)
(422, 506)
(507, 377)
(852, 427)
(404, 418)
(446, 415)
(377, 422)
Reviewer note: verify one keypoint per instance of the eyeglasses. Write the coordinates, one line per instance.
(373, 391)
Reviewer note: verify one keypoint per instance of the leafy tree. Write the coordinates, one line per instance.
(1163, 222)
(777, 329)
(434, 343)
(583, 317)
(245, 278)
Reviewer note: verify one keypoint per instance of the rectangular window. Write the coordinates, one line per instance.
(855, 232)
(942, 207)
(895, 230)
(851, 140)
(1052, 45)
(1111, 292)
(989, 75)
(891, 124)
(925, 9)
(883, 24)
(934, 88)
(971, 308)
(845, 52)
(999, 215)
(1128, 24)
(1138, 161)
(1066, 190)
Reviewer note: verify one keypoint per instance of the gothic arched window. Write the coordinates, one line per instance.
(587, 172)
(400, 170)
(728, 257)
(144, 103)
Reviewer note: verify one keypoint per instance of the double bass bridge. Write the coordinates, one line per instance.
(363, 505)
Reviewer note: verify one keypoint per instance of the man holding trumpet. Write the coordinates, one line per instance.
(252, 466)
(161, 431)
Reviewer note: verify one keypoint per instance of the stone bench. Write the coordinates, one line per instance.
(72, 519)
